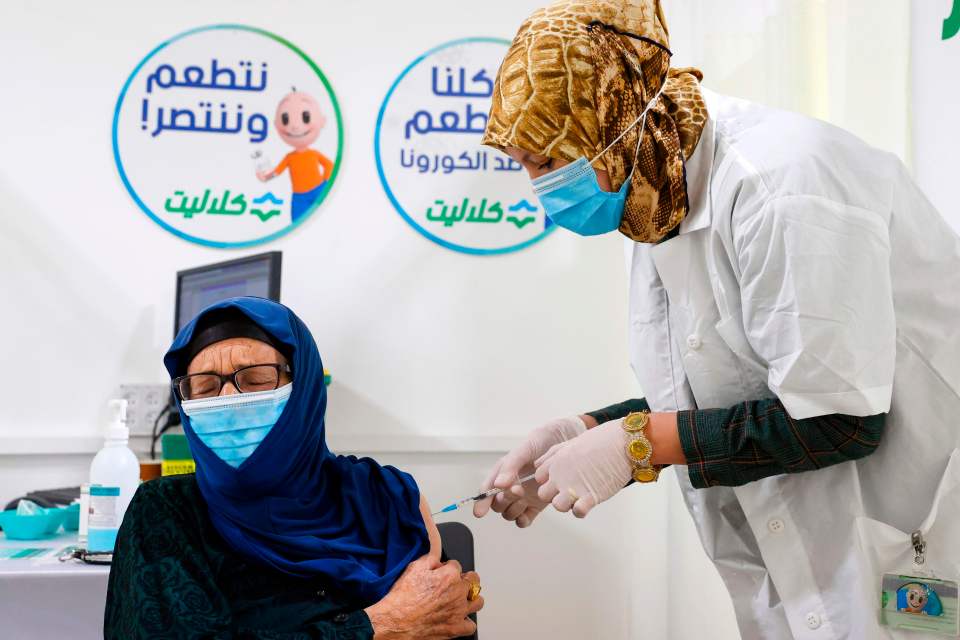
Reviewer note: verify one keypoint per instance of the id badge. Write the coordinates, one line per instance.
(919, 603)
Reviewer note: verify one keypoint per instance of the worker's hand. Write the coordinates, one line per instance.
(428, 602)
(520, 503)
(263, 176)
(585, 471)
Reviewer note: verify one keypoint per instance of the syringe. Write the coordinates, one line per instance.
(480, 496)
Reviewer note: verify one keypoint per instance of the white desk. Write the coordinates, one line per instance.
(42, 598)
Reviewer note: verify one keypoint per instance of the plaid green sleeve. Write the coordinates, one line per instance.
(619, 410)
(753, 440)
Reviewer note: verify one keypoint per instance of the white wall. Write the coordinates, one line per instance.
(843, 61)
(440, 360)
(936, 102)
(419, 337)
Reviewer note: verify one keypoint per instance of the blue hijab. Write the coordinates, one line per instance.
(295, 506)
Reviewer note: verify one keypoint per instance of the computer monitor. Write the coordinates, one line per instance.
(200, 287)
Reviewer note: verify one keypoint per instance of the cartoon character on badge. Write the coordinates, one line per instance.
(918, 598)
(299, 122)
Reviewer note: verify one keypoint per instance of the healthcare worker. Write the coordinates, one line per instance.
(794, 323)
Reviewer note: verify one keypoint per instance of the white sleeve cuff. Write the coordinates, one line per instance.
(861, 402)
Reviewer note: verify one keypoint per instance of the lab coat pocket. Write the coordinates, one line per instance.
(753, 372)
(880, 548)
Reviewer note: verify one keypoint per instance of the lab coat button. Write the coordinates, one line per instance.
(775, 525)
(813, 620)
(694, 342)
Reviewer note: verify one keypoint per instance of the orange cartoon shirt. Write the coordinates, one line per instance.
(308, 169)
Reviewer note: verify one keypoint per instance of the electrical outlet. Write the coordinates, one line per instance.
(144, 404)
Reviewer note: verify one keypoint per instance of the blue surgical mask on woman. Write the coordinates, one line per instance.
(571, 195)
(233, 426)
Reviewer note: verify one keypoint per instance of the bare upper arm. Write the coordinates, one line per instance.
(432, 532)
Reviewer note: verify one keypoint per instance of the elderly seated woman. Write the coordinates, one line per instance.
(275, 536)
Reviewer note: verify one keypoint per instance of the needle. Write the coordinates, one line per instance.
(479, 496)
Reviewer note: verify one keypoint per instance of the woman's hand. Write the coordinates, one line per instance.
(582, 473)
(520, 502)
(428, 602)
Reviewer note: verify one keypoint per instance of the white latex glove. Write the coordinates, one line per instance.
(582, 473)
(519, 503)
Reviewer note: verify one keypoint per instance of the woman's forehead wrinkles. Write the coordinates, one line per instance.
(232, 354)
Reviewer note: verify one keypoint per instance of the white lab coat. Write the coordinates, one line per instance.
(810, 268)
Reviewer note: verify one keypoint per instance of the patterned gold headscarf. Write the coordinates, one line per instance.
(579, 72)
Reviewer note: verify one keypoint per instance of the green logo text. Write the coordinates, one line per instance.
(952, 24)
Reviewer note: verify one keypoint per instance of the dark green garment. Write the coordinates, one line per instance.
(173, 576)
(619, 410)
(754, 440)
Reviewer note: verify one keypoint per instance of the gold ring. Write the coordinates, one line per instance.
(573, 494)
(474, 592)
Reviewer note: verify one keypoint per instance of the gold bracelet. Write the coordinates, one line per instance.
(639, 448)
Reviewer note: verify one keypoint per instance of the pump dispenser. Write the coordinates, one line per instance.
(114, 477)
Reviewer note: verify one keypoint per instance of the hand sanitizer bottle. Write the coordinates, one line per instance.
(114, 477)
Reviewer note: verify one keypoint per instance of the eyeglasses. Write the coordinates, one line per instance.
(257, 377)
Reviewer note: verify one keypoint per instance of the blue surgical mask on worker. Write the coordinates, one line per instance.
(571, 195)
(233, 426)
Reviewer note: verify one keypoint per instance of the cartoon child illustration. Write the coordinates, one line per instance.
(299, 122)
(919, 599)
